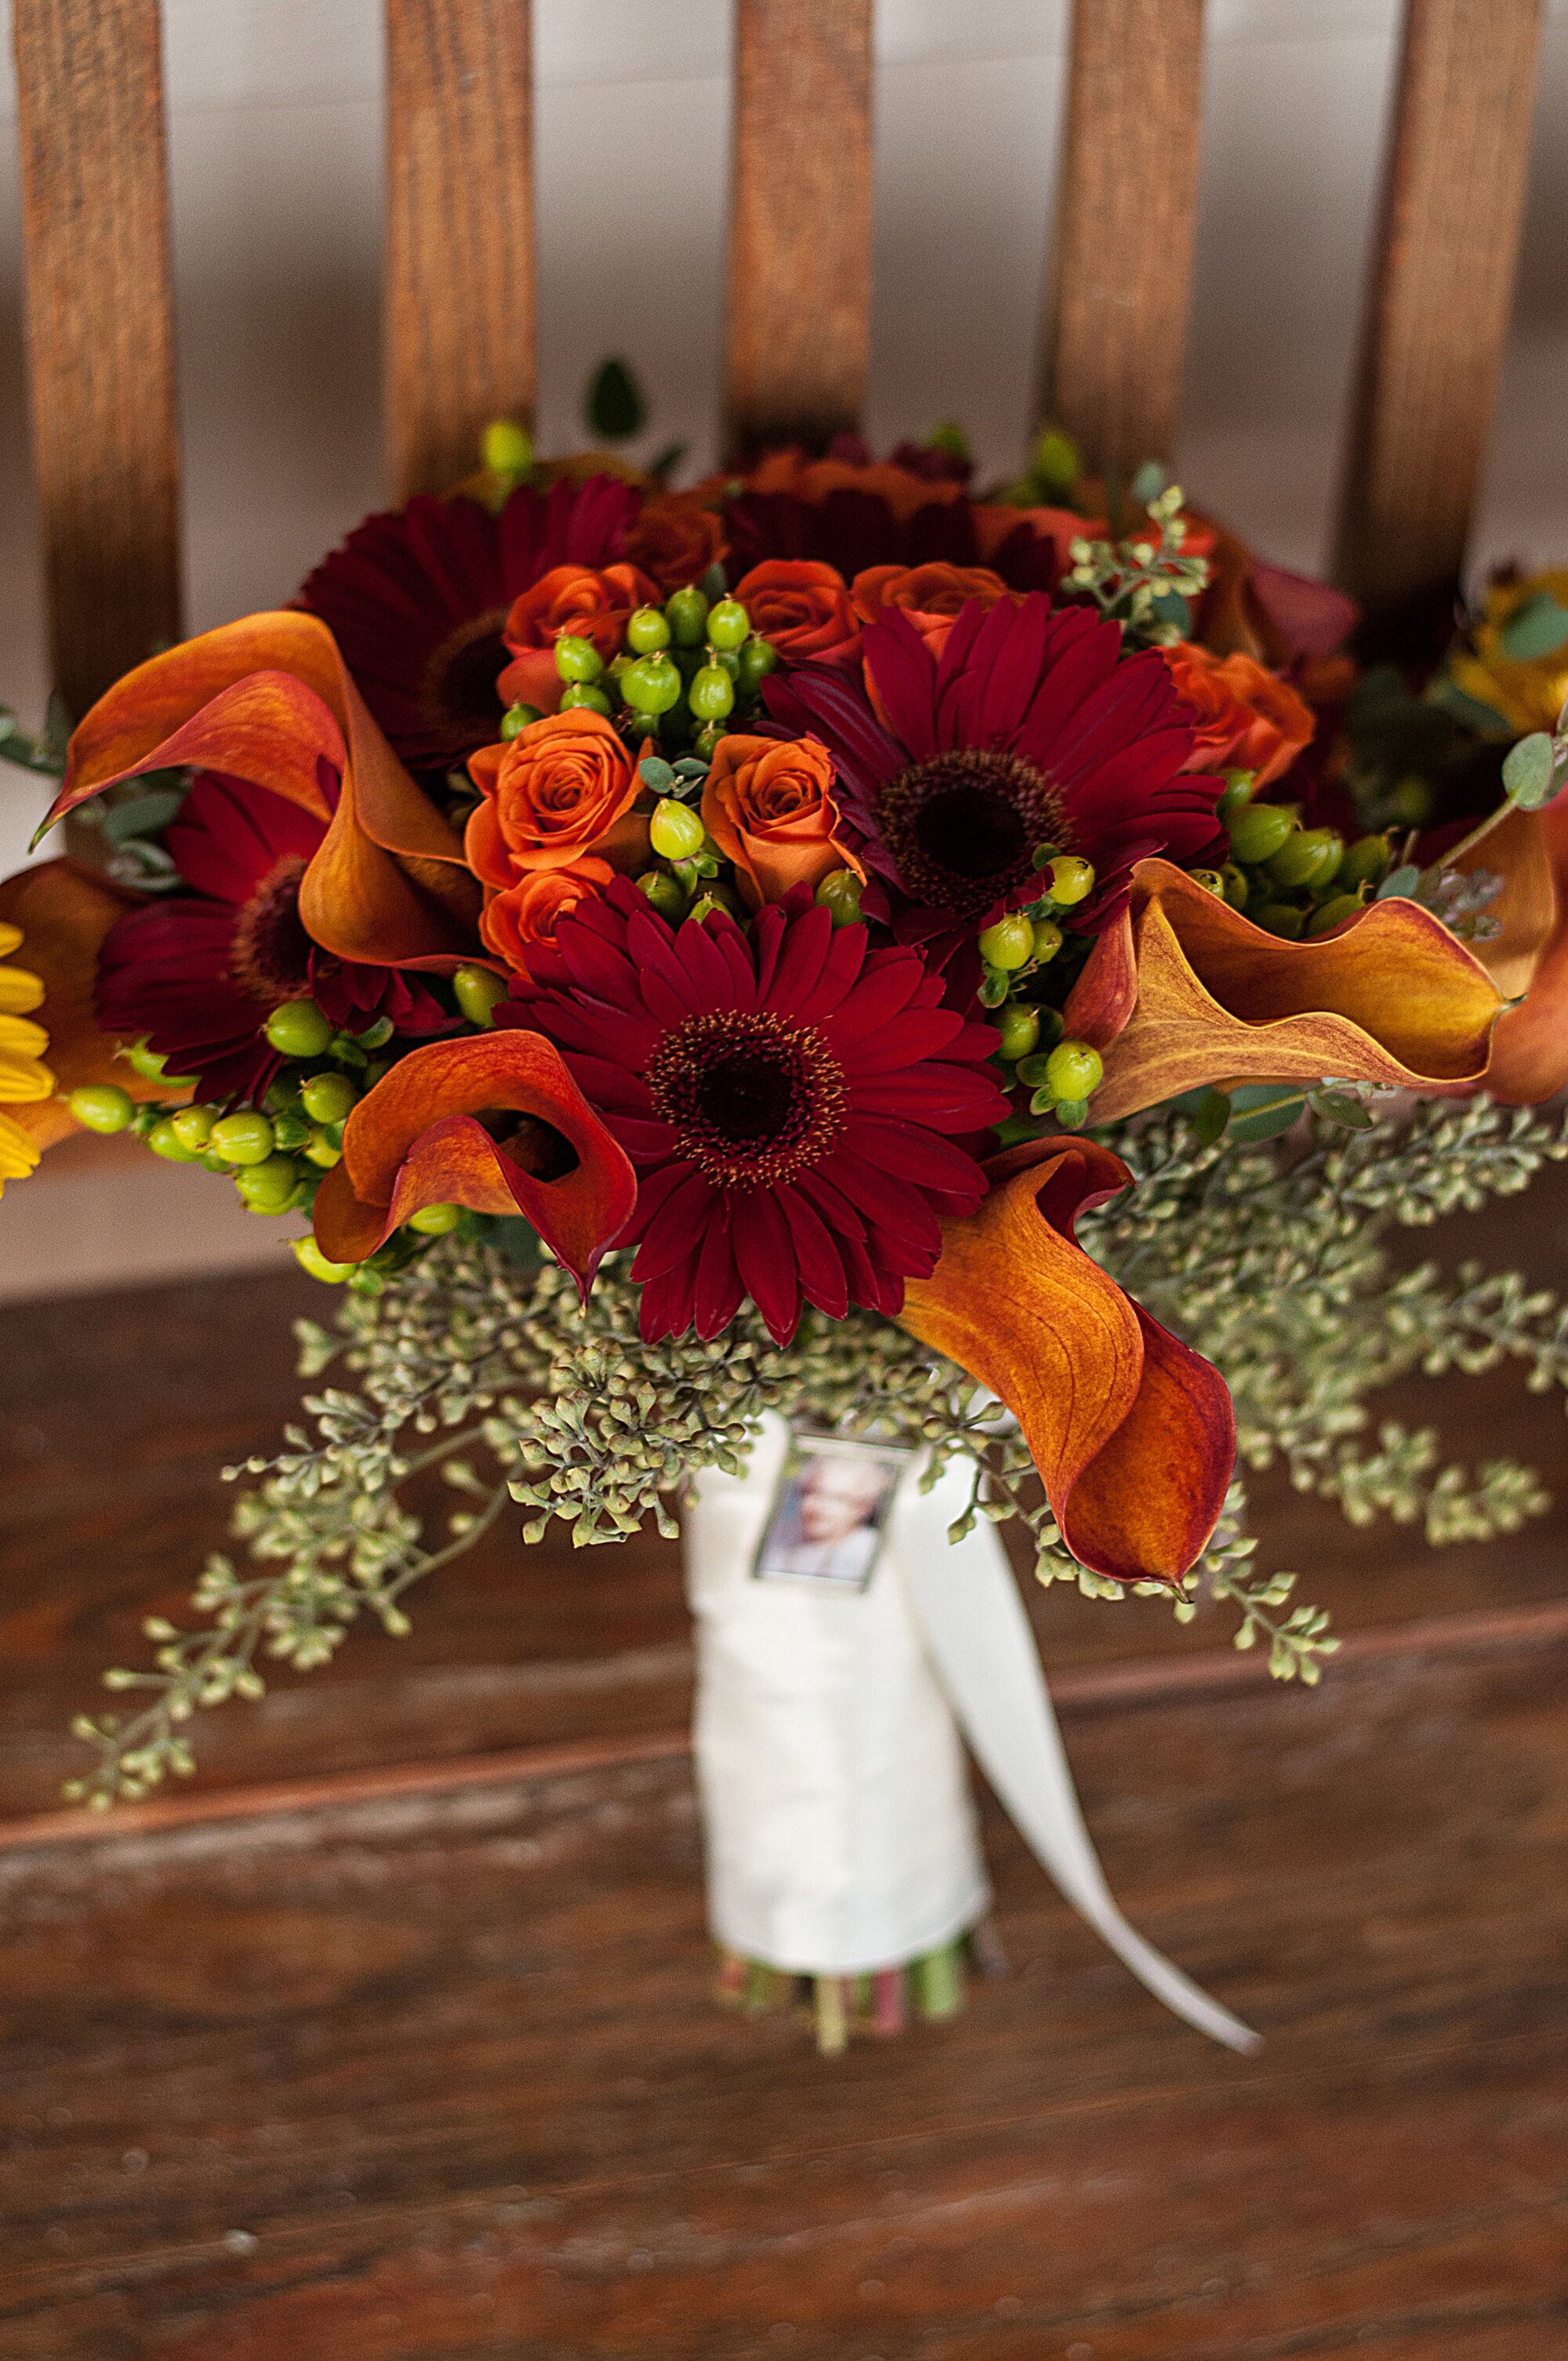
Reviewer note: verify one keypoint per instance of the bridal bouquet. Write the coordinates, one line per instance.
(756, 986)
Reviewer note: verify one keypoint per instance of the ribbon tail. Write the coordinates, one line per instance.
(966, 1602)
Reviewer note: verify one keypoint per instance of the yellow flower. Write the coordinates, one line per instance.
(1528, 693)
(23, 1074)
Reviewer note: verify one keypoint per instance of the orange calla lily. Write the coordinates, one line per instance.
(1527, 959)
(1133, 1433)
(1183, 991)
(269, 700)
(64, 911)
(415, 1139)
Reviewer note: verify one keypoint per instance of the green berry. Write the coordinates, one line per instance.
(712, 903)
(310, 1257)
(1210, 880)
(839, 896)
(1073, 1070)
(476, 990)
(506, 448)
(1366, 862)
(707, 738)
(586, 695)
(327, 1098)
(1237, 886)
(1071, 879)
(270, 1186)
(1279, 919)
(1019, 1026)
(1047, 939)
(435, 1220)
(676, 832)
(685, 611)
(164, 1140)
(664, 894)
(1413, 802)
(1344, 906)
(1009, 944)
(193, 1127)
(102, 1107)
(577, 659)
(1259, 831)
(728, 625)
(651, 685)
(322, 1151)
(712, 694)
(647, 632)
(298, 1030)
(516, 719)
(243, 1139)
(757, 659)
(1237, 792)
(1308, 858)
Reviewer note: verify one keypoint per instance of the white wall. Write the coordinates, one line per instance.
(275, 116)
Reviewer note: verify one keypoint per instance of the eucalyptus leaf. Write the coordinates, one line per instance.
(1262, 1111)
(1336, 1106)
(1401, 883)
(143, 815)
(1211, 1116)
(656, 775)
(1530, 773)
(1538, 627)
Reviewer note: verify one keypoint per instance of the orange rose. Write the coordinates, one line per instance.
(801, 608)
(523, 915)
(676, 540)
(562, 788)
(929, 595)
(1248, 720)
(815, 481)
(769, 807)
(583, 601)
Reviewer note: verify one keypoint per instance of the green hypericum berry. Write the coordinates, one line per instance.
(757, 659)
(270, 1186)
(328, 1098)
(1071, 879)
(1237, 886)
(577, 659)
(310, 1257)
(298, 1030)
(1047, 939)
(1073, 1070)
(1009, 944)
(102, 1106)
(164, 1140)
(707, 738)
(712, 694)
(711, 901)
(1279, 919)
(1413, 802)
(435, 1220)
(1366, 862)
(1019, 1026)
(1210, 880)
(506, 448)
(728, 624)
(586, 695)
(664, 894)
(685, 611)
(647, 632)
(193, 1127)
(1344, 906)
(1308, 858)
(651, 685)
(476, 990)
(1259, 831)
(676, 832)
(839, 896)
(243, 1139)
(516, 719)
(320, 1151)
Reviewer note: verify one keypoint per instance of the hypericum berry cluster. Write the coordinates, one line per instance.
(1292, 881)
(685, 673)
(1030, 964)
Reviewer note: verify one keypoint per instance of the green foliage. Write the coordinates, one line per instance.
(1270, 1258)
(614, 407)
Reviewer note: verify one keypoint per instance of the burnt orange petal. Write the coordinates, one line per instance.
(1528, 849)
(64, 911)
(1389, 996)
(268, 700)
(414, 1141)
(1133, 1433)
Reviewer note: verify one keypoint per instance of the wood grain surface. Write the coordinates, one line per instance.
(1116, 319)
(800, 232)
(459, 293)
(100, 332)
(442, 2076)
(1440, 295)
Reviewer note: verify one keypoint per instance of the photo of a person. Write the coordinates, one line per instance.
(828, 1520)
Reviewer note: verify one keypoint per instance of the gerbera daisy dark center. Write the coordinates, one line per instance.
(459, 687)
(963, 827)
(751, 1098)
(269, 956)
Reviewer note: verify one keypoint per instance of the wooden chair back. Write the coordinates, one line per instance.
(460, 284)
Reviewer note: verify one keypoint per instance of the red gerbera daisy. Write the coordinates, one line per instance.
(417, 601)
(198, 975)
(1030, 729)
(792, 1100)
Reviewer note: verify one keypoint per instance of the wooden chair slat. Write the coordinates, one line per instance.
(1116, 324)
(100, 332)
(1440, 296)
(460, 285)
(800, 234)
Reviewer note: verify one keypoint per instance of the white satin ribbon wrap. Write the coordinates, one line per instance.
(840, 1831)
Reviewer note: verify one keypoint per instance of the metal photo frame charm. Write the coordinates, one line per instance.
(827, 1524)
